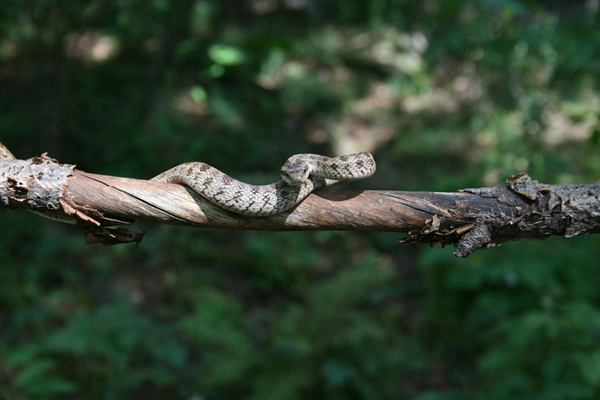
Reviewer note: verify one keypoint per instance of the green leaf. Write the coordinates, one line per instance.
(34, 372)
(21, 356)
(198, 94)
(225, 55)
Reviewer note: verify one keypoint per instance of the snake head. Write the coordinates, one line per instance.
(295, 172)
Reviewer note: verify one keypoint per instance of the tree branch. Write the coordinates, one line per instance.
(470, 219)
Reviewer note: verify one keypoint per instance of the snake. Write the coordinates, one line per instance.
(301, 175)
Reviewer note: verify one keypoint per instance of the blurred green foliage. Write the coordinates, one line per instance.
(446, 94)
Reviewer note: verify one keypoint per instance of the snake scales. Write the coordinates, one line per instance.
(301, 173)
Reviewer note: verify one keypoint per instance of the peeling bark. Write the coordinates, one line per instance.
(36, 184)
(470, 219)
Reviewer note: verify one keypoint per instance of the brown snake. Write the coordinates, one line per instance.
(301, 173)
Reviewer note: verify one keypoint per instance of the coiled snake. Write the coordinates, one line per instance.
(301, 173)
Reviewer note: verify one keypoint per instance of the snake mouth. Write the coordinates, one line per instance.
(292, 181)
(295, 174)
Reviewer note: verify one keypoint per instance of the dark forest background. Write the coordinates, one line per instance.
(446, 94)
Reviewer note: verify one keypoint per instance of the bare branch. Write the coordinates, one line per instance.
(470, 219)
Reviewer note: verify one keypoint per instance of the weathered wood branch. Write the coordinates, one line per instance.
(470, 219)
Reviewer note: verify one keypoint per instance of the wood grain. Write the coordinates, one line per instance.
(469, 219)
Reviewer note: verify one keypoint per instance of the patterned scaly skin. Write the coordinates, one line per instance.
(301, 173)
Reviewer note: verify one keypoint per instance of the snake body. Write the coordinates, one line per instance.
(301, 173)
